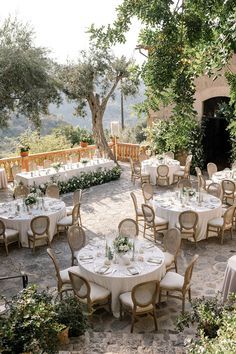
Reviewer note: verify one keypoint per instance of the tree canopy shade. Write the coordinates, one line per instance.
(93, 80)
(184, 38)
(27, 83)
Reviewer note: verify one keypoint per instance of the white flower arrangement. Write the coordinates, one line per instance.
(31, 199)
(122, 244)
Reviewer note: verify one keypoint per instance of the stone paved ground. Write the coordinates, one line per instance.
(103, 208)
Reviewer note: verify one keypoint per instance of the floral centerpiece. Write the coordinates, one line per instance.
(56, 166)
(31, 199)
(122, 244)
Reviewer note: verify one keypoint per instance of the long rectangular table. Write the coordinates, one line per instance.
(64, 173)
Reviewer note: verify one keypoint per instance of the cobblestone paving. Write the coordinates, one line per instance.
(103, 208)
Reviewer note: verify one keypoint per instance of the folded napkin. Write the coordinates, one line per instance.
(102, 270)
(156, 260)
(132, 270)
(85, 257)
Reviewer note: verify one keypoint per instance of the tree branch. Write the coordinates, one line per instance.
(105, 99)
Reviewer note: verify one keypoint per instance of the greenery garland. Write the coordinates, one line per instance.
(83, 181)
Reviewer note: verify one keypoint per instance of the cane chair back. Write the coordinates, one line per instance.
(149, 214)
(184, 183)
(201, 182)
(228, 217)
(162, 174)
(14, 170)
(188, 220)
(77, 196)
(53, 191)
(128, 228)
(211, 168)
(189, 272)
(215, 190)
(172, 241)
(187, 169)
(138, 212)
(76, 239)
(147, 190)
(198, 171)
(80, 285)
(40, 225)
(47, 163)
(21, 191)
(135, 170)
(189, 159)
(55, 262)
(228, 189)
(169, 154)
(75, 214)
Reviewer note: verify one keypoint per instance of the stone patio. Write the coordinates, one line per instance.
(102, 209)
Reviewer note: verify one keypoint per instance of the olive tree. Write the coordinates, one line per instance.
(92, 81)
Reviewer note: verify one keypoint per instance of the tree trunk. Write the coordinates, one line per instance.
(99, 136)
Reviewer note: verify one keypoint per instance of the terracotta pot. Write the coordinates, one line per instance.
(24, 153)
(63, 336)
(83, 144)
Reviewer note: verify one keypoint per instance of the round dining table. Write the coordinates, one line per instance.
(150, 167)
(15, 215)
(3, 178)
(229, 285)
(148, 264)
(219, 176)
(169, 206)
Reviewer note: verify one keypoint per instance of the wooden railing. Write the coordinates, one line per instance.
(122, 150)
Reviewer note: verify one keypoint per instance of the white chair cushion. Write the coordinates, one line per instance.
(11, 234)
(169, 258)
(65, 275)
(139, 212)
(216, 222)
(66, 221)
(160, 221)
(69, 210)
(179, 173)
(172, 281)
(183, 230)
(98, 292)
(126, 300)
(30, 233)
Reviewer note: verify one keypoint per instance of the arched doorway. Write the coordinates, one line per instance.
(216, 140)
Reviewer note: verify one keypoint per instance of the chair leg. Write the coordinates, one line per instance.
(176, 269)
(132, 324)
(144, 231)
(121, 310)
(6, 248)
(222, 237)
(183, 304)
(189, 295)
(207, 232)
(231, 233)
(159, 296)
(155, 319)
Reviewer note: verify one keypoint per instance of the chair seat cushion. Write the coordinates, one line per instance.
(30, 233)
(69, 210)
(179, 173)
(169, 258)
(126, 300)
(98, 292)
(160, 221)
(11, 235)
(172, 281)
(139, 212)
(216, 222)
(65, 275)
(66, 221)
(183, 229)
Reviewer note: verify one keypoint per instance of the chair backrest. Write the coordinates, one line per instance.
(21, 191)
(14, 170)
(198, 171)
(162, 171)
(188, 220)
(142, 157)
(211, 168)
(184, 183)
(145, 294)
(169, 154)
(228, 187)
(215, 190)
(187, 169)
(53, 258)
(172, 241)
(189, 271)
(128, 227)
(134, 199)
(53, 191)
(148, 213)
(75, 214)
(2, 229)
(147, 190)
(189, 159)
(40, 225)
(229, 215)
(201, 182)
(76, 238)
(131, 164)
(80, 285)
(47, 163)
(77, 196)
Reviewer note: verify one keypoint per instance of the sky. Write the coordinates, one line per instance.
(60, 25)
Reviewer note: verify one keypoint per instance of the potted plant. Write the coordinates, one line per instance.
(70, 314)
(85, 139)
(31, 324)
(24, 150)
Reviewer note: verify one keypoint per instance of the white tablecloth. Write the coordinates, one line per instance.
(150, 166)
(168, 206)
(229, 285)
(65, 172)
(219, 176)
(118, 280)
(55, 209)
(3, 178)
